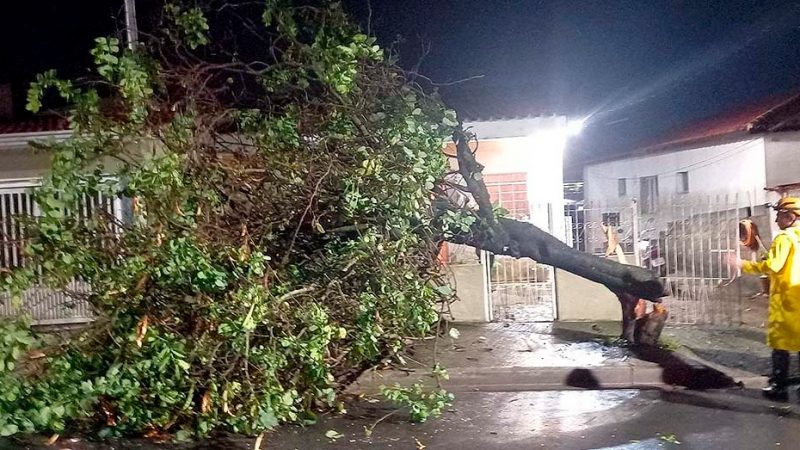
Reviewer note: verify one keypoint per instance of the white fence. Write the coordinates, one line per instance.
(45, 305)
(684, 240)
(521, 290)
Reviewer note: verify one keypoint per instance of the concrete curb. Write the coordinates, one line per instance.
(527, 379)
(668, 370)
(740, 394)
(518, 379)
(733, 400)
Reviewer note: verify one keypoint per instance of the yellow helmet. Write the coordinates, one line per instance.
(789, 204)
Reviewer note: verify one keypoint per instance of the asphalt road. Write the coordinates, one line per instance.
(611, 419)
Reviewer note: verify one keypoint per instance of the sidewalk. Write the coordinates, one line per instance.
(562, 385)
(515, 357)
(721, 369)
(741, 352)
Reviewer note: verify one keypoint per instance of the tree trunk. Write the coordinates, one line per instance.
(526, 240)
(639, 327)
(505, 236)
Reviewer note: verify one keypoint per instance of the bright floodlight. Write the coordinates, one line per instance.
(575, 126)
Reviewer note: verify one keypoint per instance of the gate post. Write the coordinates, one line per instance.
(488, 307)
(637, 256)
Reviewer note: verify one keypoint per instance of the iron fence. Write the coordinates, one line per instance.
(45, 305)
(685, 240)
(521, 290)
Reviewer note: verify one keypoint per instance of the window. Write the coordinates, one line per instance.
(510, 192)
(648, 194)
(611, 219)
(16, 203)
(622, 187)
(683, 182)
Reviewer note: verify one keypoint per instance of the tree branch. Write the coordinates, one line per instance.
(521, 239)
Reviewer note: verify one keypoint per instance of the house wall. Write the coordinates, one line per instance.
(782, 159)
(534, 146)
(19, 161)
(472, 292)
(731, 168)
(22, 163)
(582, 300)
(782, 152)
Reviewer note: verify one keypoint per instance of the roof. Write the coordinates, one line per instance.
(776, 113)
(37, 124)
(772, 114)
(516, 127)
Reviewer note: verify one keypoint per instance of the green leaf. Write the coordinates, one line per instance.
(59, 410)
(9, 429)
(34, 103)
(54, 202)
(248, 324)
(267, 419)
(444, 290)
(333, 435)
(454, 333)
(183, 435)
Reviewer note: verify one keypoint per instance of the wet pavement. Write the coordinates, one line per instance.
(742, 350)
(621, 419)
(509, 381)
(627, 419)
(540, 356)
(520, 345)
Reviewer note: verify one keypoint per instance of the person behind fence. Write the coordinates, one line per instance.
(782, 266)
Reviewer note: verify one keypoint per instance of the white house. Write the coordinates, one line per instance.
(523, 171)
(21, 168)
(750, 157)
(676, 206)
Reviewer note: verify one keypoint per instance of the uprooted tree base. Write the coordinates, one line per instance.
(280, 227)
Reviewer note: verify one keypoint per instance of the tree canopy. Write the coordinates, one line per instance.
(273, 197)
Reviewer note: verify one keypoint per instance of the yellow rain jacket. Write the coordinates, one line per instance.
(783, 268)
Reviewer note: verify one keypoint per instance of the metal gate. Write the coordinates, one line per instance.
(520, 290)
(694, 245)
(685, 241)
(45, 305)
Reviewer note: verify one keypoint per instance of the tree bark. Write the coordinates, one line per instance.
(505, 236)
(526, 240)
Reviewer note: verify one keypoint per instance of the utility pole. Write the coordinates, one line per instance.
(131, 30)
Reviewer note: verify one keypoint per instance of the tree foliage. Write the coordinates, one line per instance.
(269, 194)
(274, 229)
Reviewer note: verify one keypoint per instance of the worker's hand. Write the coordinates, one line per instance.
(734, 261)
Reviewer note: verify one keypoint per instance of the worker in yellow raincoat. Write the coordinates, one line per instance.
(782, 266)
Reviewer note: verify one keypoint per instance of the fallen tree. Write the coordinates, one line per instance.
(503, 236)
(284, 202)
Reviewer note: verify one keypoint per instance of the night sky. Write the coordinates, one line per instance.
(637, 71)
